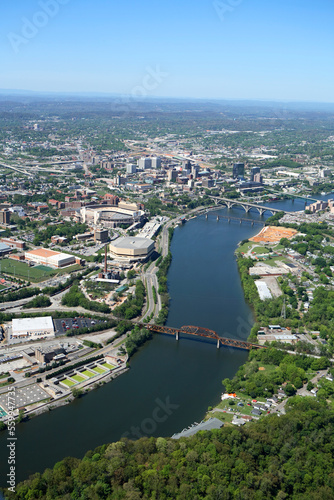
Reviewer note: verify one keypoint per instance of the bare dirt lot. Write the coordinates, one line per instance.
(273, 234)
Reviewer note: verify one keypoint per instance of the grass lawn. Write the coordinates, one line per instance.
(3, 287)
(34, 274)
(260, 250)
(107, 365)
(68, 382)
(98, 369)
(245, 247)
(88, 373)
(78, 378)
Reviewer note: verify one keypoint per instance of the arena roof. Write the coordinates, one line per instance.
(132, 243)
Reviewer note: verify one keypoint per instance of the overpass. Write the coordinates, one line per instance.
(245, 205)
(204, 333)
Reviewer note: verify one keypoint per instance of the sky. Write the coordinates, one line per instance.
(218, 49)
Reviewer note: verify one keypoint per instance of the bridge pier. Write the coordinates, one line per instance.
(217, 217)
(218, 343)
(206, 215)
(177, 335)
(252, 223)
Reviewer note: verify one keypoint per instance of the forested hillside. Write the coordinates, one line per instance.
(277, 457)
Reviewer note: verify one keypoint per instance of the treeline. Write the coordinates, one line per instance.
(99, 326)
(162, 273)
(277, 457)
(23, 293)
(136, 338)
(133, 306)
(39, 301)
(75, 298)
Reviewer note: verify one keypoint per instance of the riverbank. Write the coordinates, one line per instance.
(186, 374)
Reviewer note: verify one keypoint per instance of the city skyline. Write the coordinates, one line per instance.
(201, 50)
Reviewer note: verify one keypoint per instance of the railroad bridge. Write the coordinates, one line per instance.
(245, 205)
(203, 332)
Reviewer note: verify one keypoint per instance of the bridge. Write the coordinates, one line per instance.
(238, 219)
(245, 205)
(204, 333)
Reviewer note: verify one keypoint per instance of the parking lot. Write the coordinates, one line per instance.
(25, 396)
(62, 326)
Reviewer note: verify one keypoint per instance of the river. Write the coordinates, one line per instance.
(170, 384)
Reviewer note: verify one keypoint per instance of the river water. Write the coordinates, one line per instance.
(170, 384)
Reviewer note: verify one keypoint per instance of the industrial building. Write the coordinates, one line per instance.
(30, 327)
(50, 258)
(132, 248)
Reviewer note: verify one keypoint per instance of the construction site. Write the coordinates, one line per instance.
(273, 234)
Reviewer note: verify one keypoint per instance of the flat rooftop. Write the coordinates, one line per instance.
(132, 242)
(43, 252)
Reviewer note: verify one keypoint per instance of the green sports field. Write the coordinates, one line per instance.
(107, 365)
(68, 382)
(88, 373)
(78, 378)
(99, 370)
(35, 274)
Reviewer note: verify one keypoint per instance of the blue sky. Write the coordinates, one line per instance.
(248, 49)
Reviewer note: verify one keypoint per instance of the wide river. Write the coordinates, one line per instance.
(170, 384)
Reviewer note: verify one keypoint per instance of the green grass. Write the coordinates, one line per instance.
(68, 382)
(88, 373)
(260, 250)
(78, 378)
(99, 370)
(245, 247)
(44, 268)
(2, 287)
(34, 274)
(107, 365)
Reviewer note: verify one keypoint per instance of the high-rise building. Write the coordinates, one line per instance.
(144, 163)
(5, 216)
(186, 167)
(171, 175)
(258, 178)
(238, 170)
(156, 162)
(194, 171)
(131, 168)
(253, 172)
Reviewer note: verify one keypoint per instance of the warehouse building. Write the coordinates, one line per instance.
(32, 327)
(50, 258)
(132, 248)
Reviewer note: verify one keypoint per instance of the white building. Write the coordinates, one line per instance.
(32, 327)
(144, 163)
(131, 168)
(50, 258)
(156, 162)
